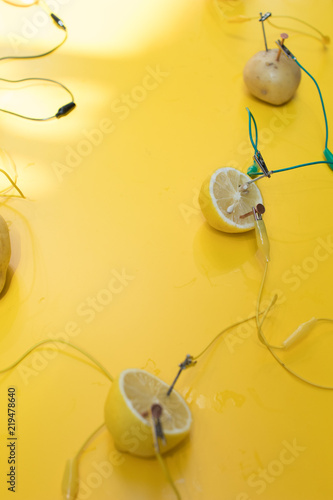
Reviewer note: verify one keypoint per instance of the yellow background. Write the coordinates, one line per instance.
(128, 204)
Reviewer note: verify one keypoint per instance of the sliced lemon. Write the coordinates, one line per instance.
(223, 200)
(127, 411)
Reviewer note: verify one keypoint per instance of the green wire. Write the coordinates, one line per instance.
(321, 98)
(251, 119)
(301, 165)
(254, 143)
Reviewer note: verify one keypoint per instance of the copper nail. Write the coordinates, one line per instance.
(284, 37)
(246, 215)
(156, 411)
(259, 209)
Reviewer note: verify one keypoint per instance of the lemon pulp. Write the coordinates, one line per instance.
(222, 201)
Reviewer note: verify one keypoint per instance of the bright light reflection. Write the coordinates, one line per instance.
(129, 26)
(91, 100)
(21, 3)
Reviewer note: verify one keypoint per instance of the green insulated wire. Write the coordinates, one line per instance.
(251, 119)
(301, 165)
(255, 142)
(321, 99)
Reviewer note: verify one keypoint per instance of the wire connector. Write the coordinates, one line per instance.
(261, 164)
(156, 413)
(285, 50)
(329, 157)
(263, 18)
(58, 21)
(253, 171)
(188, 361)
(65, 110)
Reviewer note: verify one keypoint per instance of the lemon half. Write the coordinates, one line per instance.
(130, 398)
(220, 192)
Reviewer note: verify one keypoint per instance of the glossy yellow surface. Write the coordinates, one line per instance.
(111, 251)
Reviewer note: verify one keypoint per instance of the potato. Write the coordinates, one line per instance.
(270, 80)
(5, 251)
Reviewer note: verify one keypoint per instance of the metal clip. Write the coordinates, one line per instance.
(261, 164)
(260, 230)
(258, 211)
(285, 50)
(156, 413)
(188, 361)
(263, 18)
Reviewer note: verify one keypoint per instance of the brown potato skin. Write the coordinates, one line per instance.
(270, 80)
